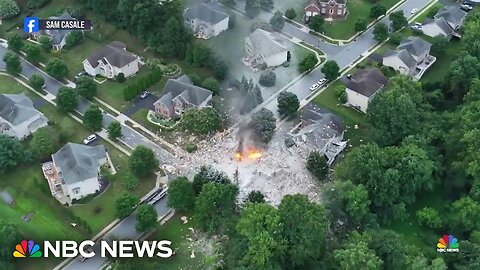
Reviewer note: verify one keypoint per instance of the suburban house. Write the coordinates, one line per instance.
(319, 130)
(206, 20)
(179, 95)
(111, 60)
(330, 9)
(57, 37)
(362, 86)
(412, 57)
(74, 171)
(446, 22)
(263, 49)
(18, 117)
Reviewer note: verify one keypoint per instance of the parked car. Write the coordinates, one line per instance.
(90, 139)
(80, 74)
(158, 197)
(314, 86)
(322, 81)
(44, 87)
(414, 11)
(416, 27)
(466, 7)
(144, 94)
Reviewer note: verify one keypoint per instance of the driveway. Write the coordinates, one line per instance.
(141, 103)
(124, 230)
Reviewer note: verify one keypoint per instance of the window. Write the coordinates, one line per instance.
(76, 190)
(339, 12)
(324, 10)
(331, 11)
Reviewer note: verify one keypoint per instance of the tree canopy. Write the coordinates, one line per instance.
(67, 99)
(12, 153)
(277, 21)
(201, 121)
(146, 218)
(56, 68)
(288, 103)
(331, 70)
(125, 204)
(263, 124)
(143, 161)
(93, 117)
(181, 195)
(86, 87)
(380, 32)
(12, 61)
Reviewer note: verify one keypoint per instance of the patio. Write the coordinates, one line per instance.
(421, 68)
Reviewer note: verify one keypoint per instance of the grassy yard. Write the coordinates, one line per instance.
(357, 9)
(177, 232)
(440, 68)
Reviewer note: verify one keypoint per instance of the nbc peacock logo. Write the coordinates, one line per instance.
(448, 243)
(27, 249)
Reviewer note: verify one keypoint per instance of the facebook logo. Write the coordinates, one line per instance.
(31, 24)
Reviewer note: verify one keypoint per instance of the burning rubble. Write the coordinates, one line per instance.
(247, 152)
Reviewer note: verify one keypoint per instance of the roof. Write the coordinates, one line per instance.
(312, 6)
(206, 12)
(182, 88)
(79, 162)
(16, 109)
(441, 23)
(404, 56)
(336, 1)
(452, 14)
(414, 46)
(115, 53)
(58, 35)
(367, 81)
(264, 43)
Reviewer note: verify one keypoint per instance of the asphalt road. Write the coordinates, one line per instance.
(124, 230)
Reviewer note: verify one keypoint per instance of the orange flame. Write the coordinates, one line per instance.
(252, 154)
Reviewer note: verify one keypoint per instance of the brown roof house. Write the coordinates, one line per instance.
(362, 86)
(111, 60)
(179, 95)
(330, 9)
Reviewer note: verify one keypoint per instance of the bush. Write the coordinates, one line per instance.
(141, 83)
(341, 94)
(130, 181)
(267, 78)
(120, 78)
(191, 147)
(36, 4)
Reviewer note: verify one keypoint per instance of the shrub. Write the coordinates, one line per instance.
(191, 147)
(267, 78)
(341, 93)
(120, 78)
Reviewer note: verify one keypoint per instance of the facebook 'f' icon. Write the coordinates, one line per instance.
(31, 24)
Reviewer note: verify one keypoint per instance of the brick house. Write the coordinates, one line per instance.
(329, 9)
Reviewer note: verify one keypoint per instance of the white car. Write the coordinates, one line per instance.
(414, 10)
(416, 27)
(466, 7)
(90, 139)
(144, 94)
(314, 86)
(322, 81)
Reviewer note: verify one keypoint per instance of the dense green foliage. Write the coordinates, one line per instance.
(67, 99)
(143, 161)
(201, 121)
(93, 117)
(288, 104)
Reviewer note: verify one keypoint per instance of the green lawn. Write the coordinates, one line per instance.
(74, 57)
(177, 232)
(357, 9)
(440, 68)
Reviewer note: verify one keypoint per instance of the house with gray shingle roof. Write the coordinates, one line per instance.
(206, 20)
(111, 60)
(261, 47)
(412, 57)
(18, 117)
(179, 95)
(446, 22)
(57, 37)
(362, 86)
(74, 171)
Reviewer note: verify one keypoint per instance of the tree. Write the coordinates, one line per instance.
(439, 45)
(8, 9)
(255, 196)
(261, 225)
(45, 42)
(397, 112)
(356, 255)
(125, 204)
(377, 10)
(12, 61)
(120, 78)
(41, 144)
(277, 21)
(10, 236)
(201, 121)
(67, 99)
(252, 8)
(361, 25)
(465, 214)
(331, 70)
(36, 4)
(15, 41)
(432, 11)
(146, 218)
(398, 20)
(86, 87)
(215, 206)
(220, 69)
(266, 5)
(36, 81)
(212, 85)
(353, 200)
(93, 118)
(130, 181)
(267, 78)
(33, 52)
(462, 71)
(12, 153)
(202, 56)
(73, 39)
(263, 124)
(380, 32)
(114, 130)
(316, 23)
(308, 62)
(288, 104)
(317, 165)
(181, 195)
(290, 13)
(304, 228)
(341, 93)
(389, 248)
(174, 38)
(142, 161)
(56, 68)
(395, 38)
(429, 217)
(206, 175)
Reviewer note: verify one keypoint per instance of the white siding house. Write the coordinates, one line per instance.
(446, 22)
(112, 60)
(262, 48)
(362, 87)
(206, 20)
(18, 117)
